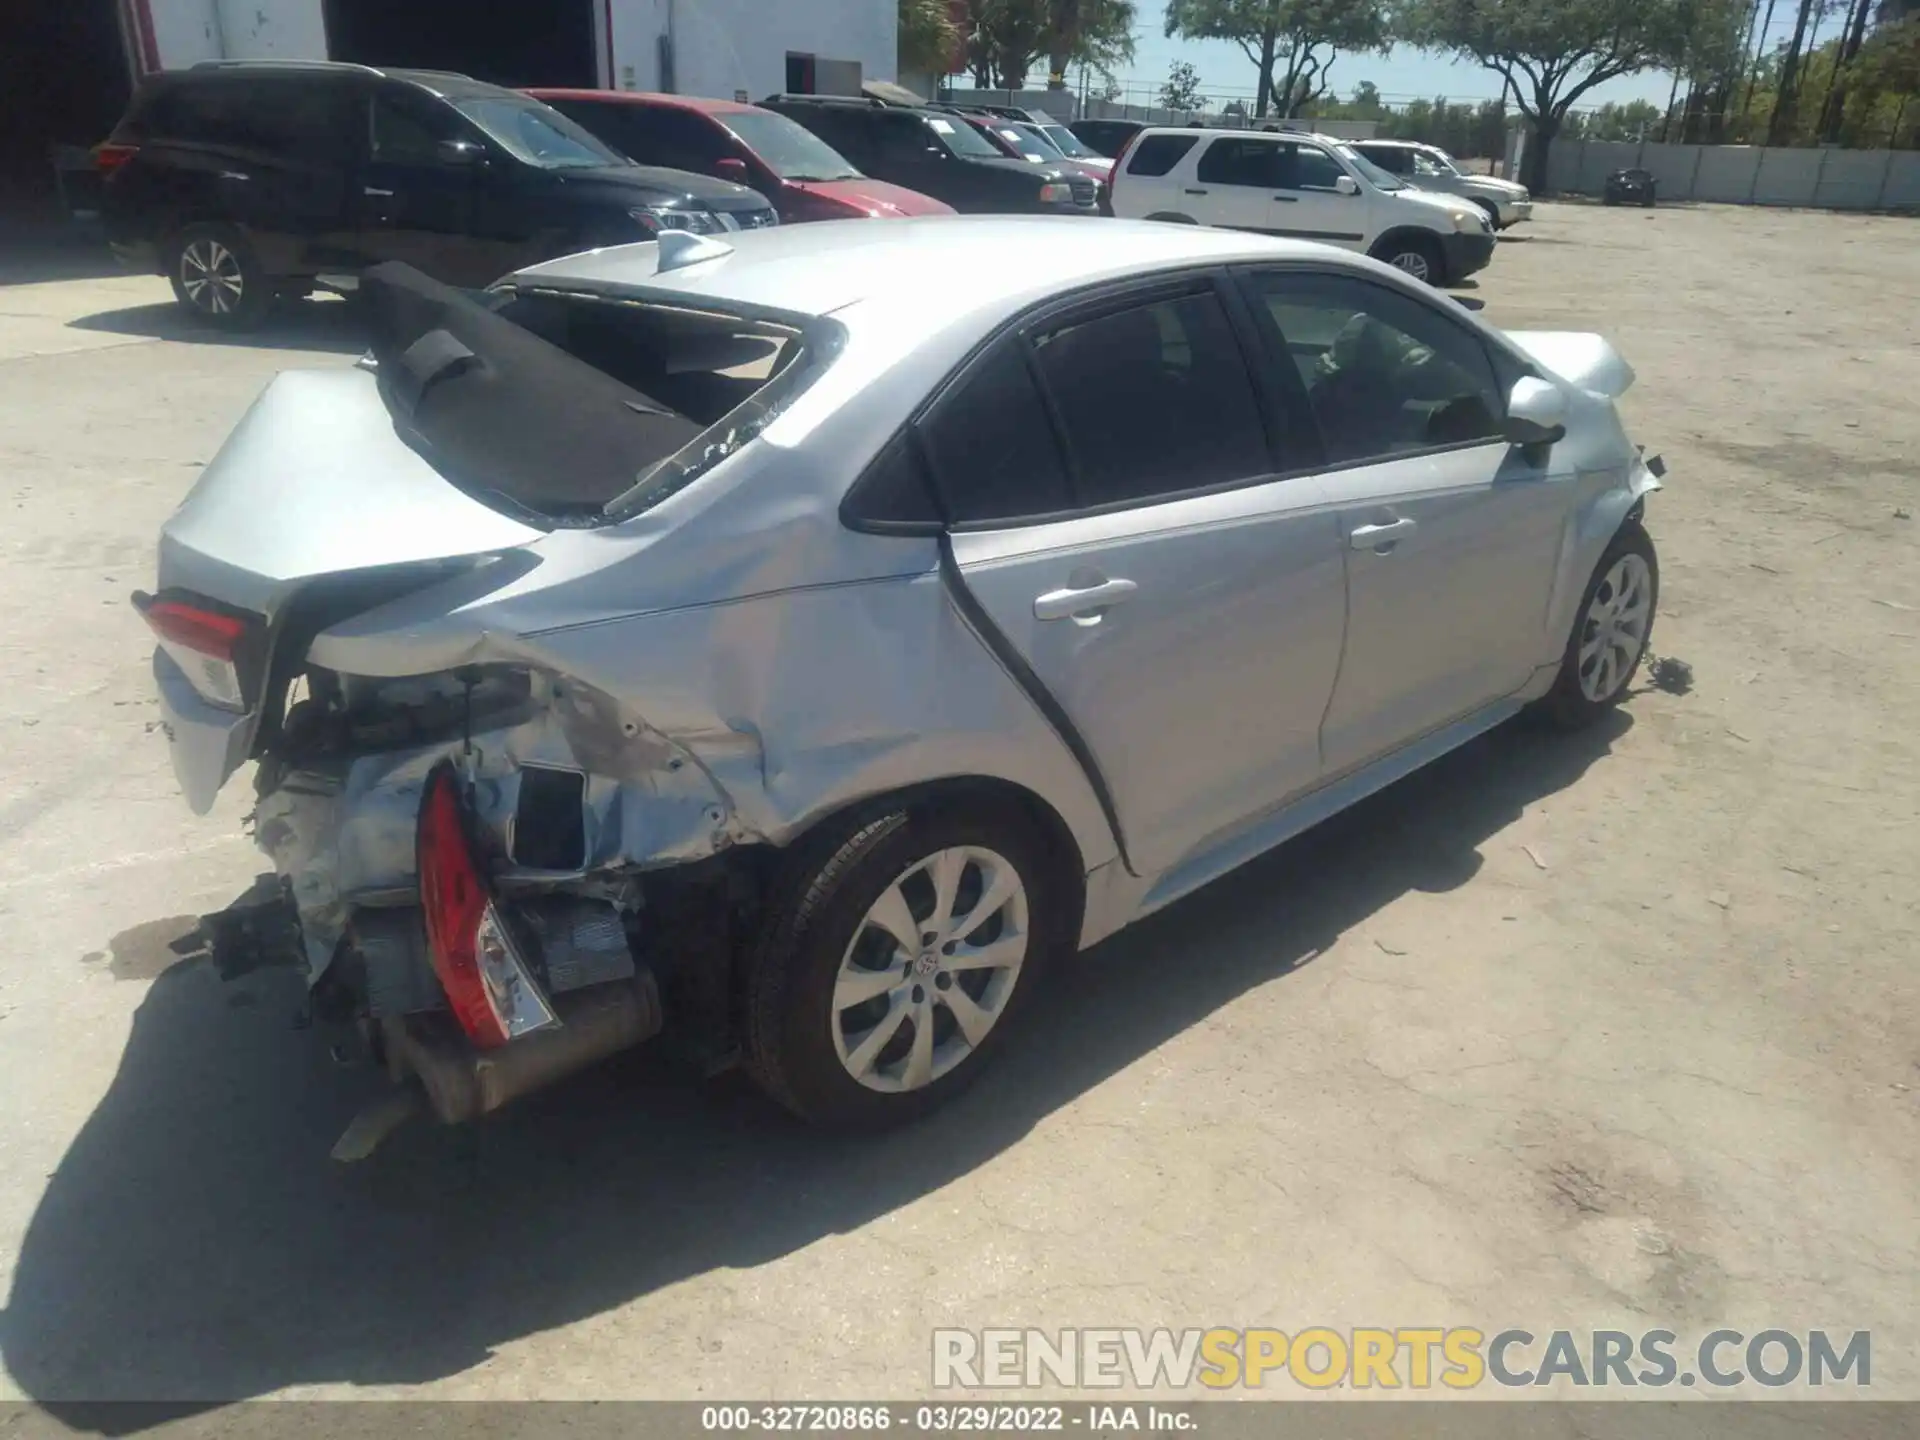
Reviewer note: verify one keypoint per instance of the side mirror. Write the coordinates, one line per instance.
(1346, 185)
(730, 168)
(1536, 413)
(466, 153)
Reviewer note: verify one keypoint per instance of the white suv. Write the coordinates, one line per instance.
(1306, 187)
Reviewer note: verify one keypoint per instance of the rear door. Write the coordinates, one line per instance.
(1452, 535)
(1142, 528)
(272, 154)
(1235, 182)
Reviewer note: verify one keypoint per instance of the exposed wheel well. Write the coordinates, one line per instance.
(1172, 217)
(1493, 210)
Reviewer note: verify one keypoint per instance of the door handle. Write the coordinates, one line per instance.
(1194, 192)
(372, 190)
(1074, 603)
(1288, 199)
(1381, 538)
(234, 175)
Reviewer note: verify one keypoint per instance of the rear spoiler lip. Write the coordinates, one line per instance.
(1581, 358)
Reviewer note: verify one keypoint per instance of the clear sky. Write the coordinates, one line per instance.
(1402, 74)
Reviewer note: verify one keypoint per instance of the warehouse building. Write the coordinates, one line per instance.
(66, 69)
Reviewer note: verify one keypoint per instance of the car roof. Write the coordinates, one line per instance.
(643, 97)
(445, 83)
(1243, 132)
(934, 270)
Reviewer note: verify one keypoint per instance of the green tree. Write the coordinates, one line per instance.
(1548, 53)
(1004, 38)
(1292, 42)
(1182, 88)
(928, 36)
(1095, 33)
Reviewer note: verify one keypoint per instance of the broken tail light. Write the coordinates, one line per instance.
(488, 984)
(109, 157)
(215, 648)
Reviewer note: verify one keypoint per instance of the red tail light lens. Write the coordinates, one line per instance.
(109, 157)
(216, 650)
(202, 631)
(487, 982)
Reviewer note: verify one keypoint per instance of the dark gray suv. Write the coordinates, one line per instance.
(242, 180)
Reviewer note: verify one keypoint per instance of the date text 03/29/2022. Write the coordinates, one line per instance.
(939, 1419)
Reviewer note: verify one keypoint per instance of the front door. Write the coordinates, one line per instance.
(1308, 203)
(444, 218)
(1451, 534)
(1133, 537)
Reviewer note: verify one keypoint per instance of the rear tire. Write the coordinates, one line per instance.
(1612, 631)
(850, 1028)
(217, 277)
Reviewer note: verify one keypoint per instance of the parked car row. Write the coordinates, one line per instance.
(241, 181)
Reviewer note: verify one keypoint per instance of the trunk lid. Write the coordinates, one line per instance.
(315, 481)
(1585, 359)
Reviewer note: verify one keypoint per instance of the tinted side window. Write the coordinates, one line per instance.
(1240, 162)
(1383, 373)
(674, 138)
(407, 130)
(1314, 169)
(309, 119)
(1157, 154)
(1390, 158)
(904, 137)
(992, 448)
(1154, 400)
(895, 490)
(843, 132)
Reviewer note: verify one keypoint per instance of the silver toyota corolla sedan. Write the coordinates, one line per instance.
(794, 642)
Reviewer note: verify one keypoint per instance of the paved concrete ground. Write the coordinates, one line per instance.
(1611, 1031)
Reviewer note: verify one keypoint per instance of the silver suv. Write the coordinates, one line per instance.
(802, 639)
(1428, 167)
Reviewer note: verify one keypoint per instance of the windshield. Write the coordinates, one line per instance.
(1434, 162)
(961, 138)
(537, 134)
(1367, 170)
(1038, 135)
(791, 151)
(1068, 143)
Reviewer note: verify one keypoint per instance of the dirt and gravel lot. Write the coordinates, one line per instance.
(1605, 1032)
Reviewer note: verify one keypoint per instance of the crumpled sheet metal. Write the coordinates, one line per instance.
(344, 834)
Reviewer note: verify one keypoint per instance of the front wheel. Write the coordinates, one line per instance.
(892, 960)
(217, 277)
(1417, 256)
(1610, 632)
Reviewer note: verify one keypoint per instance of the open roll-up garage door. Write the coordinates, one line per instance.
(510, 42)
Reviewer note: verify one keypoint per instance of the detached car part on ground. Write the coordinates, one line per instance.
(1632, 186)
(751, 640)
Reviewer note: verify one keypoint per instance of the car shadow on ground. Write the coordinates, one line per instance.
(321, 323)
(196, 1244)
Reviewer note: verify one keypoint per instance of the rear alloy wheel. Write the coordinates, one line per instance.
(216, 277)
(1611, 633)
(889, 968)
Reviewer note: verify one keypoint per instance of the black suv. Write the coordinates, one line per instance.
(939, 155)
(240, 180)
